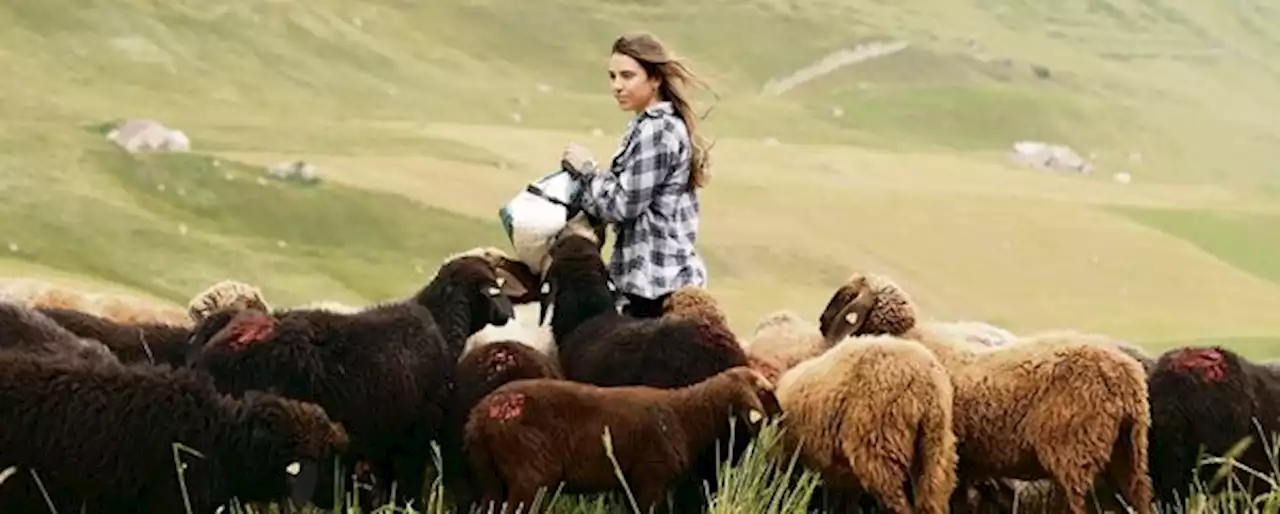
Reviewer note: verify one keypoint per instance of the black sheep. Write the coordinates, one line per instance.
(600, 346)
(102, 434)
(1210, 396)
(479, 372)
(149, 342)
(385, 372)
(27, 330)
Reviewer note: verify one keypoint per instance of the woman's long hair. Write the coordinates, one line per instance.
(653, 56)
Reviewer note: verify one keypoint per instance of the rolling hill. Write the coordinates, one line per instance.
(425, 116)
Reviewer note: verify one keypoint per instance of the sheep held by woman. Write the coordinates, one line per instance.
(385, 372)
(480, 371)
(1209, 397)
(26, 330)
(874, 414)
(1064, 406)
(531, 435)
(102, 434)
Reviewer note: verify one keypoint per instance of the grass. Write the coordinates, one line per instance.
(424, 118)
(766, 481)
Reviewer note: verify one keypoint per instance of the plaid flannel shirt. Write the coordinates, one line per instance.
(646, 196)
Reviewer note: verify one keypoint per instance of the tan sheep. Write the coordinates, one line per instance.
(122, 308)
(1065, 406)
(838, 396)
(874, 413)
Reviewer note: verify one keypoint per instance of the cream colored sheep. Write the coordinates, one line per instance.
(222, 294)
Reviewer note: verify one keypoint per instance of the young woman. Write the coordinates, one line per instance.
(649, 193)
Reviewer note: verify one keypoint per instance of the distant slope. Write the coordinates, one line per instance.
(426, 116)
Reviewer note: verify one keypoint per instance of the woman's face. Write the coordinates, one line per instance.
(632, 88)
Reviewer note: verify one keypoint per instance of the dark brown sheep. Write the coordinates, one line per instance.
(150, 342)
(531, 435)
(386, 372)
(102, 434)
(600, 346)
(480, 371)
(1209, 396)
(26, 330)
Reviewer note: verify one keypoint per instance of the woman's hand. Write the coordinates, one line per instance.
(578, 160)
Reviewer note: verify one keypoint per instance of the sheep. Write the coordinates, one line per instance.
(224, 294)
(799, 348)
(27, 330)
(114, 306)
(868, 414)
(150, 342)
(1210, 397)
(102, 434)
(1061, 405)
(598, 345)
(536, 433)
(480, 371)
(386, 371)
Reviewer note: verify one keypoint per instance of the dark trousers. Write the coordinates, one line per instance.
(641, 307)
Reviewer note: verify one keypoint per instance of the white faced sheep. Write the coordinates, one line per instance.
(1064, 406)
(225, 294)
(535, 434)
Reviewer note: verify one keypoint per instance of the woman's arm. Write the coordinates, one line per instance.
(645, 162)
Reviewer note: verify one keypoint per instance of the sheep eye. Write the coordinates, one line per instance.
(293, 469)
(493, 291)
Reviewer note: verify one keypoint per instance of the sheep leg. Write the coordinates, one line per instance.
(883, 478)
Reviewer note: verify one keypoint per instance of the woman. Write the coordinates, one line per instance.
(649, 193)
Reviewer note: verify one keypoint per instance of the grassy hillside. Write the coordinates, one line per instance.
(409, 109)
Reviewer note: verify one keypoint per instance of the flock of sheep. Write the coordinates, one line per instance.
(891, 409)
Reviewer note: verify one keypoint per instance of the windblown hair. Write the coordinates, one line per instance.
(657, 61)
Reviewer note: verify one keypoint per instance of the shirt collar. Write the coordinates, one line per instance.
(660, 109)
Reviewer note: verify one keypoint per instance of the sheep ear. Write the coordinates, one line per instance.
(853, 317)
(846, 311)
(516, 280)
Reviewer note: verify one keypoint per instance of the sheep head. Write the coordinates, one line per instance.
(576, 265)
(756, 401)
(867, 304)
(515, 279)
(294, 437)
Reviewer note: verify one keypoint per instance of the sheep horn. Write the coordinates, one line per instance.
(836, 324)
